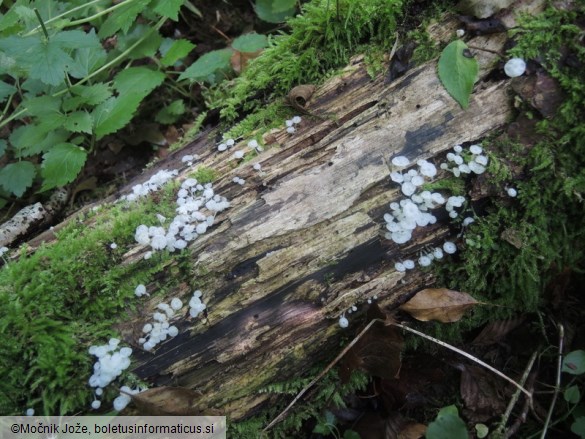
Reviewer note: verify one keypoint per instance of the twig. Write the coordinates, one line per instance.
(521, 419)
(558, 381)
(321, 374)
(468, 356)
(502, 424)
(486, 50)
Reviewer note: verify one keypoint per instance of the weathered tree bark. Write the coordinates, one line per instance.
(304, 241)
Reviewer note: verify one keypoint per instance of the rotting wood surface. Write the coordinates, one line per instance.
(304, 241)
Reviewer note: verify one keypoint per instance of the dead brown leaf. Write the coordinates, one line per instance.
(167, 401)
(240, 60)
(493, 332)
(378, 351)
(479, 391)
(439, 304)
(413, 431)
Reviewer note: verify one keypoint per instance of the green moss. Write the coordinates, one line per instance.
(454, 186)
(204, 175)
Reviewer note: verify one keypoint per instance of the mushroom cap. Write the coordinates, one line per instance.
(400, 161)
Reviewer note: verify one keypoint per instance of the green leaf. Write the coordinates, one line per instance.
(79, 122)
(274, 11)
(3, 146)
(351, 434)
(87, 60)
(138, 81)
(574, 362)
(31, 139)
(178, 49)
(171, 112)
(169, 8)
(114, 114)
(122, 18)
(208, 66)
(6, 90)
(87, 94)
(61, 165)
(16, 178)
(457, 72)
(147, 48)
(578, 427)
(50, 60)
(42, 106)
(572, 395)
(251, 42)
(448, 425)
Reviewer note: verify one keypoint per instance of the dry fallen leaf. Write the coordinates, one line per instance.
(495, 331)
(439, 304)
(479, 390)
(413, 431)
(167, 401)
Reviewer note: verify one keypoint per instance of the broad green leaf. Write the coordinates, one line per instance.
(251, 42)
(87, 60)
(79, 122)
(283, 5)
(122, 18)
(42, 106)
(458, 72)
(138, 81)
(30, 139)
(448, 425)
(578, 427)
(16, 178)
(572, 395)
(168, 8)
(146, 48)
(114, 114)
(87, 95)
(61, 165)
(3, 146)
(171, 112)
(50, 60)
(351, 434)
(208, 66)
(178, 49)
(6, 90)
(274, 11)
(574, 362)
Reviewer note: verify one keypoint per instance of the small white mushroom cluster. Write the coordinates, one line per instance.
(190, 222)
(196, 307)
(112, 361)
(153, 184)
(189, 159)
(160, 329)
(226, 145)
(290, 124)
(124, 398)
(452, 203)
(457, 164)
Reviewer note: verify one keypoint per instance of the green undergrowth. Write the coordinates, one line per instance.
(327, 393)
(510, 255)
(68, 295)
(321, 40)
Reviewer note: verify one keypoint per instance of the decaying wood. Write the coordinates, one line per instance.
(304, 241)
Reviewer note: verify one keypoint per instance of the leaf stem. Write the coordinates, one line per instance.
(558, 382)
(99, 14)
(36, 29)
(42, 23)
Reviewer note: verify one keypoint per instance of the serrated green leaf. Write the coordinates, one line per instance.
(572, 395)
(208, 66)
(6, 90)
(87, 95)
(122, 18)
(61, 165)
(138, 81)
(168, 8)
(114, 114)
(33, 139)
(448, 425)
(458, 72)
(251, 42)
(178, 49)
(574, 362)
(171, 112)
(50, 60)
(3, 146)
(273, 11)
(79, 122)
(16, 178)
(87, 60)
(146, 48)
(42, 106)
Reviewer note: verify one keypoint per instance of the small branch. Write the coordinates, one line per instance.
(558, 381)
(321, 375)
(468, 356)
(495, 52)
